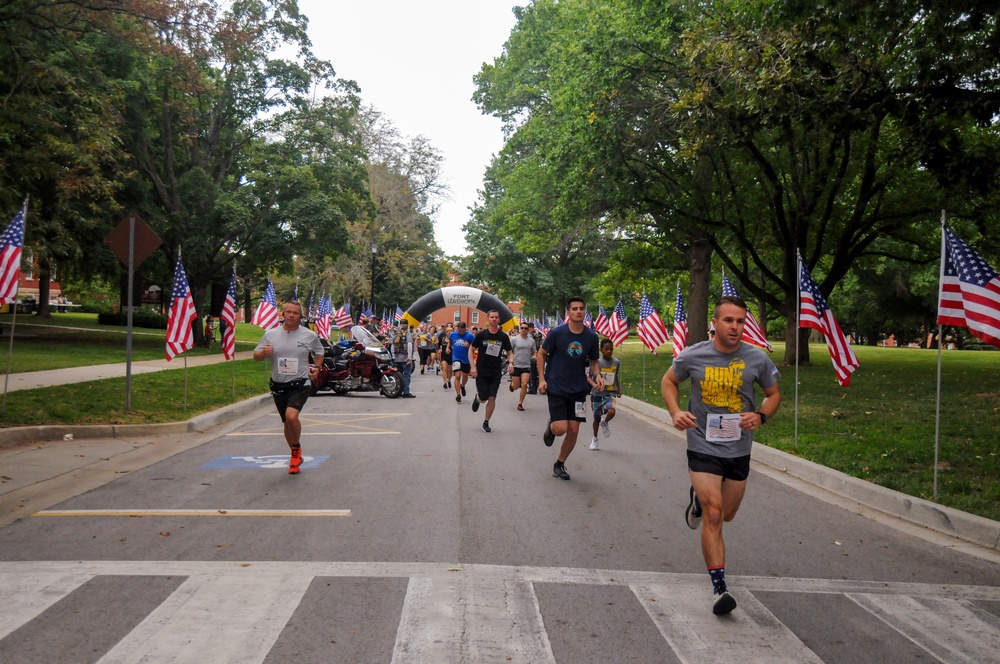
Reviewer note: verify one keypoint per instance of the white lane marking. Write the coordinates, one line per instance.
(952, 630)
(458, 618)
(683, 614)
(206, 512)
(271, 434)
(24, 596)
(217, 618)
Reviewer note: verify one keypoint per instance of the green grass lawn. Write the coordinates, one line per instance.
(78, 340)
(881, 428)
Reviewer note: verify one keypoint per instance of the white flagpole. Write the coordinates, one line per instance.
(13, 324)
(798, 320)
(937, 402)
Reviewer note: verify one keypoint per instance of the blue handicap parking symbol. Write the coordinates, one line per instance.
(279, 461)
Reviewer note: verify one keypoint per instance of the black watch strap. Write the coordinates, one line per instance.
(763, 417)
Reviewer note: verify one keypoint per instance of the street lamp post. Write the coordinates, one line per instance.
(374, 251)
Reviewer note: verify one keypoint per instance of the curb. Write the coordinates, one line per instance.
(197, 424)
(945, 520)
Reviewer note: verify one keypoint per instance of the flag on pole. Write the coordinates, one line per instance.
(601, 324)
(399, 314)
(342, 317)
(680, 324)
(180, 316)
(618, 324)
(651, 329)
(588, 320)
(752, 332)
(11, 245)
(814, 312)
(323, 318)
(266, 315)
(969, 292)
(228, 317)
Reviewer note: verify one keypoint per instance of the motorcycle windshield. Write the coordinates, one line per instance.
(369, 339)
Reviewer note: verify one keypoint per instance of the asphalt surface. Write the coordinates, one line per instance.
(413, 536)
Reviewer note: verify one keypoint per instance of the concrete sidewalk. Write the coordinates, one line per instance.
(36, 379)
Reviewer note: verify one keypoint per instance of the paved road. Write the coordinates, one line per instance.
(412, 536)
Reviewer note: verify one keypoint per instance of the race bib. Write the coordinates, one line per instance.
(723, 428)
(493, 350)
(581, 409)
(288, 366)
(456, 366)
(609, 377)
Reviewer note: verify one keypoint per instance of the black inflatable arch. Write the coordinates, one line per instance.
(459, 296)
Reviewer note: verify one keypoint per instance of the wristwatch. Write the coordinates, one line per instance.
(763, 417)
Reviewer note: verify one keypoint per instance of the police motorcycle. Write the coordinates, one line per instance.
(359, 366)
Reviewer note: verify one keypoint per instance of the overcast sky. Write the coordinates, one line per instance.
(414, 61)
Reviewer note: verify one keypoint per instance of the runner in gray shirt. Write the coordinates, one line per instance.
(721, 418)
(524, 349)
(289, 347)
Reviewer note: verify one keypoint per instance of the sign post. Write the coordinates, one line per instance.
(133, 241)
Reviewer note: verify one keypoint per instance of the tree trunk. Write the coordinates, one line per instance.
(803, 334)
(699, 258)
(44, 288)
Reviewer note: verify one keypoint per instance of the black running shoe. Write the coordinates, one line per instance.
(548, 437)
(692, 515)
(458, 399)
(475, 404)
(559, 470)
(463, 390)
(486, 426)
(723, 603)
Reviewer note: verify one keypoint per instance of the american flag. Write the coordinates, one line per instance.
(601, 324)
(752, 333)
(814, 312)
(588, 320)
(680, 324)
(651, 329)
(266, 315)
(342, 317)
(544, 326)
(399, 314)
(11, 243)
(323, 312)
(618, 324)
(229, 318)
(969, 292)
(180, 316)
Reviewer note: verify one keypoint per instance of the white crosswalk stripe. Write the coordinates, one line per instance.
(483, 613)
(683, 615)
(950, 629)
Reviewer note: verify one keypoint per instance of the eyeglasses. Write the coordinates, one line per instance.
(524, 327)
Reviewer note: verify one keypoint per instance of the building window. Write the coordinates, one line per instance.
(458, 315)
(28, 260)
(475, 318)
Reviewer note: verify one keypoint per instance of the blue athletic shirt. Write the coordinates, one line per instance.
(460, 346)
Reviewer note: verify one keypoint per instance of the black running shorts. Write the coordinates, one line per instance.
(734, 468)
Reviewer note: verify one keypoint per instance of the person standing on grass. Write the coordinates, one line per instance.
(602, 402)
(567, 353)
(488, 349)
(720, 422)
(289, 347)
(524, 353)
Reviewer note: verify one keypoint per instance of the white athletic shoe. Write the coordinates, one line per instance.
(605, 429)
(593, 444)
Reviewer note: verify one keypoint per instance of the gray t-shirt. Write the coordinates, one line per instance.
(523, 350)
(291, 352)
(722, 384)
